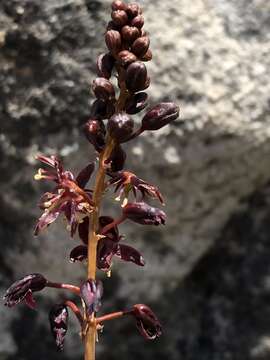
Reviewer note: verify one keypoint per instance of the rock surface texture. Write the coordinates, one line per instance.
(207, 274)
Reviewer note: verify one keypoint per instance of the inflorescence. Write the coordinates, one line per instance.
(109, 127)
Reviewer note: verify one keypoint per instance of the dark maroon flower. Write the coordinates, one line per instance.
(120, 126)
(159, 116)
(126, 57)
(126, 181)
(119, 17)
(136, 76)
(136, 103)
(138, 22)
(128, 253)
(79, 253)
(118, 5)
(95, 132)
(146, 321)
(67, 198)
(113, 233)
(147, 56)
(91, 293)
(140, 46)
(106, 249)
(117, 159)
(144, 214)
(105, 64)
(133, 10)
(22, 290)
(130, 33)
(83, 229)
(113, 41)
(103, 89)
(85, 174)
(58, 318)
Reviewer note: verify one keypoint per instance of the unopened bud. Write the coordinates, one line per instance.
(99, 109)
(126, 57)
(136, 103)
(138, 21)
(105, 63)
(159, 116)
(144, 214)
(140, 46)
(118, 5)
(147, 322)
(133, 10)
(136, 76)
(103, 89)
(95, 132)
(119, 17)
(113, 41)
(147, 56)
(130, 33)
(120, 127)
(117, 159)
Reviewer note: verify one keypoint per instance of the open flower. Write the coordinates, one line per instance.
(108, 246)
(146, 321)
(126, 181)
(22, 290)
(69, 196)
(91, 293)
(58, 318)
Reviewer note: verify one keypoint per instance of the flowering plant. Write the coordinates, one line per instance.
(128, 50)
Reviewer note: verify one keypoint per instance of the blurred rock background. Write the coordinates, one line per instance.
(208, 271)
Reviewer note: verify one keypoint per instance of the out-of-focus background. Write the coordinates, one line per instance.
(207, 273)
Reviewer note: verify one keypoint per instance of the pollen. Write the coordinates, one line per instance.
(38, 175)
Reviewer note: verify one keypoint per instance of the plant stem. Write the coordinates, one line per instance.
(75, 310)
(90, 336)
(111, 316)
(72, 288)
(90, 339)
(112, 225)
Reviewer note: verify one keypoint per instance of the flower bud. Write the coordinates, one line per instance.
(91, 293)
(140, 46)
(98, 109)
(83, 229)
(136, 76)
(138, 21)
(126, 57)
(79, 253)
(113, 41)
(147, 322)
(130, 33)
(133, 10)
(22, 290)
(159, 116)
(119, 17)
(103, 89)
(95, 132)
(112, 26)
(120, 127)
(58, 318)
(118, 5)
(136, 103)
(105, 64)
(147, 56)
(144, 214)
(117, 159)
